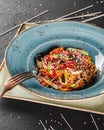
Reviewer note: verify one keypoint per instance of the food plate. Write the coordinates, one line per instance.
(25, 47)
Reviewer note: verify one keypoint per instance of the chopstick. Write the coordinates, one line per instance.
(77, 11)
(87, 20)
(42, 14)
(70, 18)
(62, 18)
(82, 16)
(23, 22)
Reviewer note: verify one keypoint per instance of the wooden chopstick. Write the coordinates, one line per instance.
(71, 18)
(23, 22)
(62, 18)
(77, 11)
(82, 16)
(87, 20)
(48, 20)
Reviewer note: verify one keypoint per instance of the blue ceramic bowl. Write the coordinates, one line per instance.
(24, 48)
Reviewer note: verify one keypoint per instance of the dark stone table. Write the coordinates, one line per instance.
(21, 115)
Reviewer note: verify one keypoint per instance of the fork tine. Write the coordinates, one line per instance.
(22, 78)
(20, 74)
(25, 79)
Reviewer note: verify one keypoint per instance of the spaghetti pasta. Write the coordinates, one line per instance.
(66, 69)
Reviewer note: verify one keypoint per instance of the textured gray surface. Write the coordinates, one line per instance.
(20, 115)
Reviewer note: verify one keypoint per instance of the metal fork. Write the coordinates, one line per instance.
(16, 79)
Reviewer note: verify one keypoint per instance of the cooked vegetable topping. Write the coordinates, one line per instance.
(66, 69)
